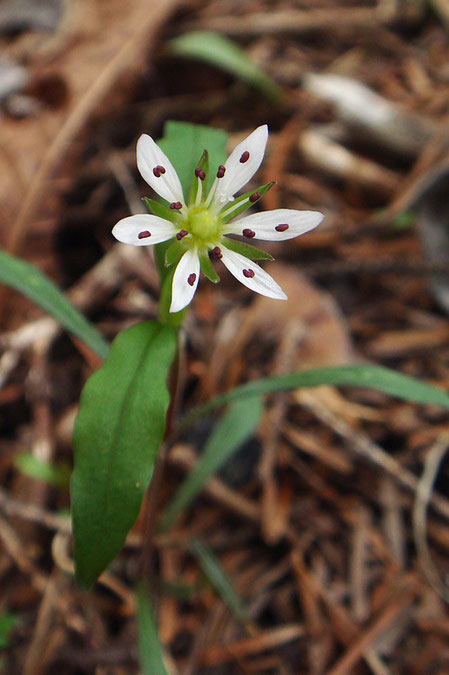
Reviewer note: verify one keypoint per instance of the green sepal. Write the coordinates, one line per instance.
(158, 209)
(207, 268)
(204, 165)
(175, 252)
(230, 211)
(173, 319)
(247, 250)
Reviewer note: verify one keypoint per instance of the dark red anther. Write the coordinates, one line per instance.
(249, 274)
(254, 197)
(221, 171)
(245, 157)
(176, 205)
(144, 235)
(158, 170)
(249, 234)
(199, 173)
(282, 228)
(181, 234)
(216, 252)
(191, 279)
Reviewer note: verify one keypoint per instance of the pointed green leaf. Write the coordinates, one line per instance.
(242, 203)
(175, 252)
(183, 143)
(369, 377)
(37, 287)
(247, 250)
(218, 578)
(31, 466)
(150, 650)
(207, 268)
(158, 209)
(233, 429)
(117, 434)
(222, 52)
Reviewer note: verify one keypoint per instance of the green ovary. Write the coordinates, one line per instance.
(203, 225)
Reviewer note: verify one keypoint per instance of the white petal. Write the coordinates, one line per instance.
(261, 282)
(152, 229)
(149, 158)
(264, 224)
(185, 280)
(238, 173)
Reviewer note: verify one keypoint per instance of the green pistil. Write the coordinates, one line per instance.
(203, 225)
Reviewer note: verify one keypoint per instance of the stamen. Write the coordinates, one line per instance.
(144, 235)
(282, 228)
(254, 197)
(181, 234)
(199, 173)
(245, 157)
(158, 170)
(216, 253)
(249, 274)
(191, 279)
(221, 171)
(249, 234)
(176, 205)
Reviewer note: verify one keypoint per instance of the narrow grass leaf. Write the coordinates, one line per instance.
(57, 475)
(32, 283)
(218, 578)
(117, 434)
(150, 650)
(7, 624)
(225, 54)
(369, 377)
(234, 428)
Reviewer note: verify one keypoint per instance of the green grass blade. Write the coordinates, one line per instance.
(225, 54)
(150, 650)
(369, 377)
(218, 578)
(28, 280)
(233, 429)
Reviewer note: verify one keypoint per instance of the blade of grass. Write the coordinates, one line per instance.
(150, 650)
(28, 280)
(233, 429)
(218, 578)
(225, 54)
(369, 377)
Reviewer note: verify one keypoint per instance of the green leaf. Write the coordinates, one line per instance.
(117, 434)
(218, 578)
(7, 624)
(233, 429)
(158, 209)
(247, 250)
(242, 203)
(369, 377)
(219, 51)
(35, 468)
(150, 650)
(37, 287)
(174, 252)
(183, 143)
(207, 268)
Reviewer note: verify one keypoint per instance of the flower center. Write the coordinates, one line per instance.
(203, 225)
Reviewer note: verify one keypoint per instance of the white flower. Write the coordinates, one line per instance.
(199, 228)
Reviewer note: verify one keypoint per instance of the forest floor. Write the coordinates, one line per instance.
(318, 519)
